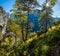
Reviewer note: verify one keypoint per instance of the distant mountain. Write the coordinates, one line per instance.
(57, 18)
(8, 14)
(34, 18)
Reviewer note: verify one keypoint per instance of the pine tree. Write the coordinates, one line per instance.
(19, 15)
(21, 6)
(29, 6)
(47, 20)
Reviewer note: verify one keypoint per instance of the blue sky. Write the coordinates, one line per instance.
(8, 5)
(56, 8)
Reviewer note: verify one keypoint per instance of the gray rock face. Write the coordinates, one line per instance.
(3, 23)
(1, 20)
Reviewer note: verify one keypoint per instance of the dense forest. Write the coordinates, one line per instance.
(31, 31)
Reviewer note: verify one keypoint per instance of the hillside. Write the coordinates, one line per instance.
(45, 45)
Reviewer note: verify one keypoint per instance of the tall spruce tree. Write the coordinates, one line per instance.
(47, 20)
(29, 5)
(19, 15)
(21, 6)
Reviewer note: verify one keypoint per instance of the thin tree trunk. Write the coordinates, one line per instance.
(27, 27)
(46, 19)
(22, 31)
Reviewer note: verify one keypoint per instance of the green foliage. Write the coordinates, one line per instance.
(53, 2)
(13, 44)
(34, 46)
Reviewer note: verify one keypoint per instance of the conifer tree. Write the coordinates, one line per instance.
(47, 21)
